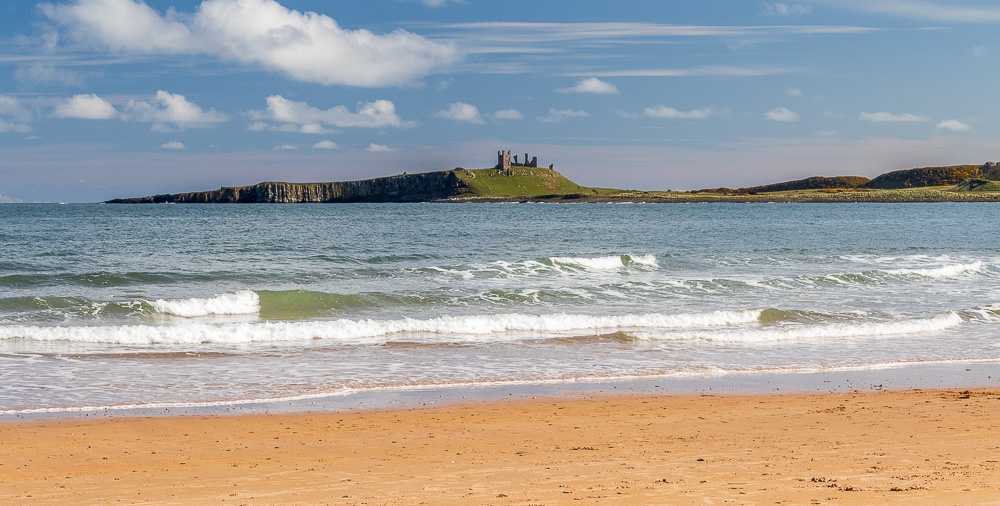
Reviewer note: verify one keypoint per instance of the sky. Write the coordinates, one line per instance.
(102, 99)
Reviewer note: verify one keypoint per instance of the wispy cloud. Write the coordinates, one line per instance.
(661, 111)
(879, 117)
(592, 85)
(783, 9)
(959, 11)
(793, 92)
(508, 114)
(13, 115)
(702, 71)
(782, 114)
(173, 145)
(556, 116)
(379, 148)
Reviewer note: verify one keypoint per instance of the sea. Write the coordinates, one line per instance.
(167, 306)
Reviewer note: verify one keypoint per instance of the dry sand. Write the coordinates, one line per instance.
(939, 447)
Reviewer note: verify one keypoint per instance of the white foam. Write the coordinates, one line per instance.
(846, 330)
(241, 302)
(607, 263)
(947, 271)
(482, 328)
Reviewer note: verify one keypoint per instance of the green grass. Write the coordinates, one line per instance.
(526, 182)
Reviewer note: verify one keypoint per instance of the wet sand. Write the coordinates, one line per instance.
(929, 446)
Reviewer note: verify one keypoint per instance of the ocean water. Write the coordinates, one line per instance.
(201, 305)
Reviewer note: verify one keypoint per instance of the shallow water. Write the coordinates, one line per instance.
(160, 305)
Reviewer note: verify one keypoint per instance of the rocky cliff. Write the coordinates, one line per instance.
(402, 188)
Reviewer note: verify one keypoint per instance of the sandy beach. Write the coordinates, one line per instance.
(925, 446)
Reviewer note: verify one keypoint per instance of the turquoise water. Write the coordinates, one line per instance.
(174, 305)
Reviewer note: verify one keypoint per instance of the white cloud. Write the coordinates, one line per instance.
(306, 46)
(782, 114)
(794, 92)
(10, 200)
(954, 125)
(325, 145)
(7, 126)
(560, 115)
(783, 9)
(286, 147)
(379, 148)
(879, 117)
(167, 109)
(661, 111)
(85, 106)
(508, 114)
(592, 85)
(304, 118)
(460, 111)
(173, 145)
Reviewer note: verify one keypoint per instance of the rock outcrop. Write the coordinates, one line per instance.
(402, 188)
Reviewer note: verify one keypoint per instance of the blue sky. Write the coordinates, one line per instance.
(113, 98)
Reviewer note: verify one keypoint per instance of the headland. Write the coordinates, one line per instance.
(511, 181)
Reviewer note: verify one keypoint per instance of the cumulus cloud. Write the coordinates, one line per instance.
(306, 46)
(10, 200)
(173, 145)
(508, 114)
(592, 85)
(460, 111)
(304, 118)
(379, 148)
(16, 115)
(325, 145)
(954, 125)
(783, 9)
(890, 117)
(564, 114)
(169, 111)
(85, 106)
(661, 111)
(782, 114)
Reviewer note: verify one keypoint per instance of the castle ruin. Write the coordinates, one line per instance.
(506, 164)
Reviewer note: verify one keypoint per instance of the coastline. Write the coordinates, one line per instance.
(860, 447)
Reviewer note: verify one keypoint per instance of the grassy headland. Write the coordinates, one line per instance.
(957, 183)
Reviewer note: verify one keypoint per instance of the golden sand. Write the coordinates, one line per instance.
(913, 446)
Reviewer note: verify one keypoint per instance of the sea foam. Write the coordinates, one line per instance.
(481, 328)
(241, 302)
(791, 333)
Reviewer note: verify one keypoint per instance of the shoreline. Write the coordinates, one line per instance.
(860, 447)
(958, 374)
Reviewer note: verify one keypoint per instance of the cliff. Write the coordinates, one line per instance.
(458, 184)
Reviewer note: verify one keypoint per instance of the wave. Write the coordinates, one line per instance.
(947, 271)
(835, 330)
(607, 263)
(241, 302)
(486, 328)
